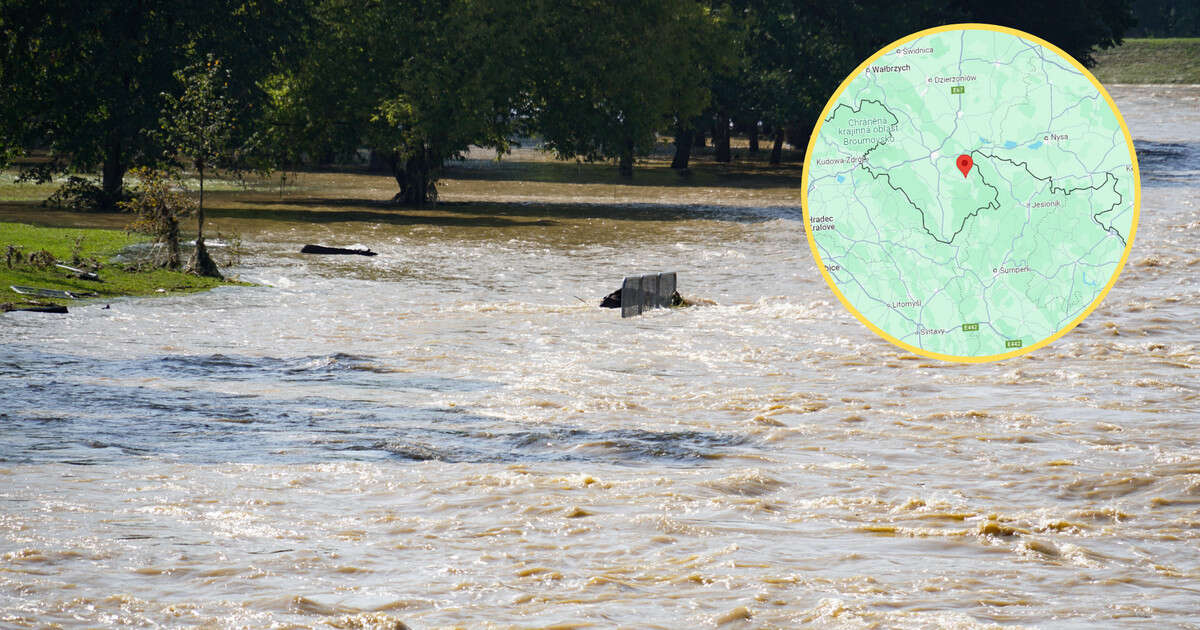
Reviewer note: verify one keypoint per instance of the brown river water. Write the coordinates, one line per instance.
(444, 436)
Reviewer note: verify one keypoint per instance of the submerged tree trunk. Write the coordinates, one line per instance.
(417, 179)
(113, 174)
(201, 263)
(721, 137)
(170, 238)
(200, 206)
(683, 147)
(777, 149)
(625, 163)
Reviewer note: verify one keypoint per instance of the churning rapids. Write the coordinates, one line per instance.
(444, 436)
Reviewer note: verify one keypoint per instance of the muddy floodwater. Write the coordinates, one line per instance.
(445, 435)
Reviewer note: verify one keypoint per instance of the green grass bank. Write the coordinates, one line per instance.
(83, 246)
(1174, 60)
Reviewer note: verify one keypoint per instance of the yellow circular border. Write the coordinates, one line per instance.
(1137, 193)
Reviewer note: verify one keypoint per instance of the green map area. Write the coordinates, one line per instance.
(992, 261)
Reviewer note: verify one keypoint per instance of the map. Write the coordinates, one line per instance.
(971, 193)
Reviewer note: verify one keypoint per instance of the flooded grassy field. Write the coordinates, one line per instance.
(452, 434)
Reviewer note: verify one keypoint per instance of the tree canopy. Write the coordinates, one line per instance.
(1166, 18)
(418, 82)
(642, 64)
(200, 125)
(86, 80)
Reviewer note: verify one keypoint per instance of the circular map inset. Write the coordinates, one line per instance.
(970, 193)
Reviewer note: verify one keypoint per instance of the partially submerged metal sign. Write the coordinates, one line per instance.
(642, 293)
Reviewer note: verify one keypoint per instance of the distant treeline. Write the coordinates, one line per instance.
(419, 81)
(1166, 18)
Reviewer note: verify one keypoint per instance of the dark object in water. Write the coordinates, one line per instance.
(79, 273)
(321, 249)
(32, 307)
(50, 293)
(613, 300)
(642, 293)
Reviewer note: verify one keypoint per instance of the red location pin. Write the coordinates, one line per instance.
(964, 164)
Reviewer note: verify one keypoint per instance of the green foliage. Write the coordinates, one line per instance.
(800, 51)
(1079, 27)
(607, 77)
(84, 80)
(1166, 18)
(421, 81)
(418, 84)
(200, 123)
(77, 194)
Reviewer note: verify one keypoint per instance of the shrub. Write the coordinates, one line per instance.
(158, 203)
(41, 259)
(78, 195)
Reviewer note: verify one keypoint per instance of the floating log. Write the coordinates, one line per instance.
(33, 307)
(336, 251)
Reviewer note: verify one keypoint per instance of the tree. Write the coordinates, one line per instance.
(200, 124)
(725, 77)
(159, 203)
(794, 59)
(1166, 18)
(641, 66)
(418, 84)
(84, 79)
(1076, 26)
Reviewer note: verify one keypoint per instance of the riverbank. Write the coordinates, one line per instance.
(513, 454)
(1173, 60)
(29, 253)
